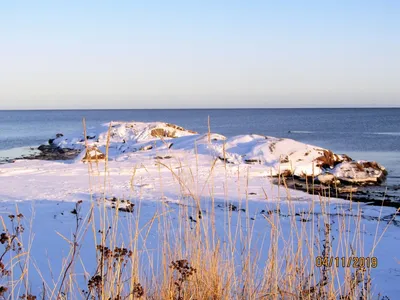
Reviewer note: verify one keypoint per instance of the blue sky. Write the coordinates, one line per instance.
(185, 54)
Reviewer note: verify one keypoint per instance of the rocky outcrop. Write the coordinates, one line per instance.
(279, 156)
(170, 131)
(51, 152)
(330, 159)
(327, 179)
(361, 172)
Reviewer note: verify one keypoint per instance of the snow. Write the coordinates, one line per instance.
(152, 173)
(277, 154)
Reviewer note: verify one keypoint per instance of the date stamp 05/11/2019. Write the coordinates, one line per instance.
(347, 262)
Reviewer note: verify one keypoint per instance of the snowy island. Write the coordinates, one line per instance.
(302, 165)
(279, 156)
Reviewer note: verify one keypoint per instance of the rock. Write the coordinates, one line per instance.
(280, 157)
(52, 152)
(327, 179)
(122, 204)
(93, 154)
(163, 157)
(284, 159)
(180, 128)
(43, 147)
(169, 130)
(348, 189)
(286, 173)
(328, 159)
(252, 161)
(160, 132)
(224, 159)
(128, 208)
(147, 147)
(58, 135)
(232, 207)
(362, 172)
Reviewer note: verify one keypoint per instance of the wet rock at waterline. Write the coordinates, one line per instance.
(51, 152)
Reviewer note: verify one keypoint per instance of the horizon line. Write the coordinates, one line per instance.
(201, 108)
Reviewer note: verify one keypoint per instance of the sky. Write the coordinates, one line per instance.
(199, 54)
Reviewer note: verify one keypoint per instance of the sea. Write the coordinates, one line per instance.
(361, 133)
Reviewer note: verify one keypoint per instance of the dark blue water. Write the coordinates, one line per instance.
(365, 133)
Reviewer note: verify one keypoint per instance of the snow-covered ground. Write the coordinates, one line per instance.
(169, 168)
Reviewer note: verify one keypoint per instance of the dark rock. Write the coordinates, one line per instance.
(252, 161)
(284, 160)
(163, 157)
(52, 152)
(225, 160)
(128, 208)
(232, 207)
(370, 194)
(43, 147)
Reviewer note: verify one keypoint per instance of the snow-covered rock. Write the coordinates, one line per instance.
(93, 154)
(361, 172)
(123, 135)
(278, 156)
(327, 178)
